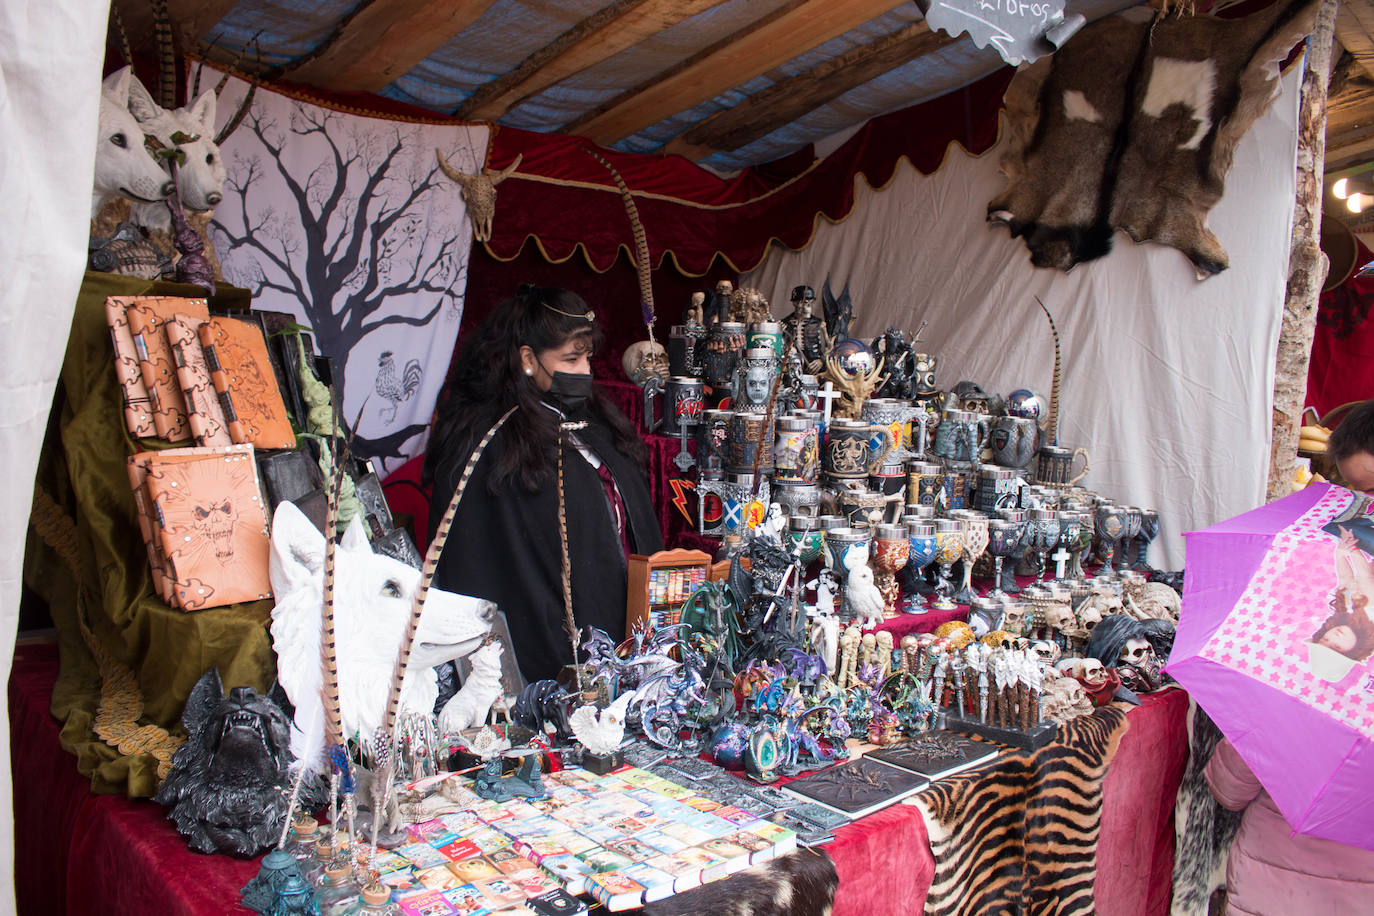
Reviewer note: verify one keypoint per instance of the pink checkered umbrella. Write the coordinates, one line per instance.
(1275, 642)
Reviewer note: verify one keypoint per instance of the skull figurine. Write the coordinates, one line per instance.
(1088, 617)
(1014, 618)
(1064, 699)
(643, 359)
(1046, 651)
(1138, 666)
(1058, 616)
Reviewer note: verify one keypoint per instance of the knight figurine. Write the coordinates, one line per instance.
(900, 362)
(802, 329)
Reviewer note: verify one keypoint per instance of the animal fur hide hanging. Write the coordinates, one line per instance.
(1203, 829)
(1021, 837)
(801, 883)
(1133, 126)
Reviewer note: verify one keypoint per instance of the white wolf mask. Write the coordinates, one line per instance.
(372, 604)
(200, 179)
(123, 166)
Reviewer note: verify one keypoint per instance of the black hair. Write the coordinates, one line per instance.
(1350, 610)
(1109, 638)
(488, 378)
(1354, 434)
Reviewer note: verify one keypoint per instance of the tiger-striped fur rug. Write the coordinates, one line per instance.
(1020, 838)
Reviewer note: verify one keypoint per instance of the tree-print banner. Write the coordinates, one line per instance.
(346, 222)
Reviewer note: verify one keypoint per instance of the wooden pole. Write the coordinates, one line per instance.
(1306, 263)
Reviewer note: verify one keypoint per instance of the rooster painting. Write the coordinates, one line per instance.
(396, 388)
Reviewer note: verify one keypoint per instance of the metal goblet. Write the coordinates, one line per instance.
(1109, 522)
(1149, 530)
(1069, 525)
(1003, 541)
(975, 526)
(921, 535)
(804, 535)
(891, 551)
(1084, 543)
(1044, 533)
(949, 546)
(1131, 519)
(1017, 556)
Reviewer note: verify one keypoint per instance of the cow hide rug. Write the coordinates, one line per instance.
(1133, 125)
(1204, 830)
(1021, 837)
(801, 883)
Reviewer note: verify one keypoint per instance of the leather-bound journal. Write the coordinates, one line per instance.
(147, 316)
(150, 526)
(213, 528)
(236, 353)
(203, 412)
(138, 406)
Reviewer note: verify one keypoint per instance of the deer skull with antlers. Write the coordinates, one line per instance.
(479, 193)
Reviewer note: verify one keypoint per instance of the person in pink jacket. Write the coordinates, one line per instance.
(1272, 872)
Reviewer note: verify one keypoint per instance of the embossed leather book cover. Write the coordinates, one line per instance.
(147, 316)
(180, 486)
(858, 787)
(203, 412)
(157, 564)
(935, 754)
(236, 353)
(138, 406)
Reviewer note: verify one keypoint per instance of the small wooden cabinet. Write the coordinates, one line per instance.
(660, 583)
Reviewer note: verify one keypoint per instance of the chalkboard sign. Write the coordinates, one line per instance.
(1020, 30)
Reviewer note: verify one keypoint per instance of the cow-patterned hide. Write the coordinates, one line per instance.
(1021, 837)
(1133, 125)
(801, 883)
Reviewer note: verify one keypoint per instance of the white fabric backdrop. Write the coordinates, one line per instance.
(1167, 381)
(50, 60)
(384, 292)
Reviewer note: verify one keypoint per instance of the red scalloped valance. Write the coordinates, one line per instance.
(563, 199)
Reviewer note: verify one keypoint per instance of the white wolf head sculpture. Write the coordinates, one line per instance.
(372, 604)
(123, 166)
(200, 178)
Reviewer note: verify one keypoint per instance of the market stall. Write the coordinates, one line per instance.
(922, 496)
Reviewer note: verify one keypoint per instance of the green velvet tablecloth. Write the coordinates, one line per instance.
(82, 468)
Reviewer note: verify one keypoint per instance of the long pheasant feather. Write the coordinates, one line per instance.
(646, 290)
(1054, 385)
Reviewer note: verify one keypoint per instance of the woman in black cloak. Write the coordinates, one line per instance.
(532, 354)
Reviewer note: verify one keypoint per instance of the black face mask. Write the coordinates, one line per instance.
(571, 390)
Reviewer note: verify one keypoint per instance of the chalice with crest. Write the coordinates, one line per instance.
(949, 547)
(975, 526)
(1044, 533)
(1132, 520)
(1004, 540)
(891, 552)
(1070, 525)
(921, 535)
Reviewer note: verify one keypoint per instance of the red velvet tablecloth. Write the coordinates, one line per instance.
(79, 853)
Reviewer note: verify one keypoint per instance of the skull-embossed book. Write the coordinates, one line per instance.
(203, 413)
(935, 754)
(858, 787)
(138, 406)
(241, 371)
(148, 316)
(213, 527)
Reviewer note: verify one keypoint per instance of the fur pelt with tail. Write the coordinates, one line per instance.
(1203, 829)
(801, 883)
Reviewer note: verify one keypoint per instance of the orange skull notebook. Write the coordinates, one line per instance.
(138, 407)
(236, 353)
(213, 528)
(203, 411)
(147, 316)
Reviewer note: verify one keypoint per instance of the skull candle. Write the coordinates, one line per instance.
(1138, 666)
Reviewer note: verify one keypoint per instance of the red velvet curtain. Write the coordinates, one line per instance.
(1342, 367)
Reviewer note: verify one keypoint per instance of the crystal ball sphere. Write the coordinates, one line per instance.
(854, 356)
(1026, 403)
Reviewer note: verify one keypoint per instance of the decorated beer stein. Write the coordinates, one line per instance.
(1054, 466)
(849, 451)
(796, 498)
(1014, 441)
(683, 404)
(741, 507)
(924, 480)
(862, 507)
(724, 345)
(960, 436)
(804, 535)
(751, 445)
(713, 435)
(896, 416)
(796, 449)
(685, 345)
(765, 334)
(995, 488)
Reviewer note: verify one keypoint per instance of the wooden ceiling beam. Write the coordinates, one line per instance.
(600, 36)
(789, 99)
(385, 39)
(1355, 31)
(760, 46)
(195, 20)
